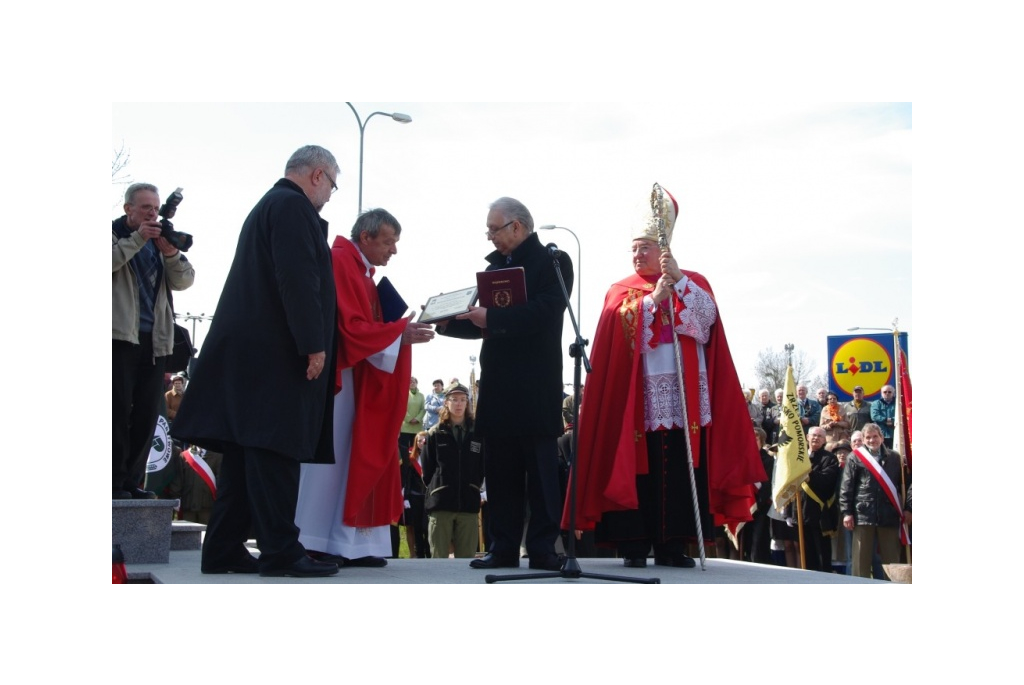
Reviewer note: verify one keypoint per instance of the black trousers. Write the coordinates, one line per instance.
(522, 470)
(256, 490)
(137, 393)
(665, 518)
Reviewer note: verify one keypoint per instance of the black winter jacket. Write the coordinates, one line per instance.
(862, 497)
(454, 473)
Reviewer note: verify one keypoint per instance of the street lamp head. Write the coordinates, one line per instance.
(401, 118)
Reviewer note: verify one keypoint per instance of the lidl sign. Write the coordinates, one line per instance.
(865, 360)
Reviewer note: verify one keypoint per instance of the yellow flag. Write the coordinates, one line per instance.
(792, 463)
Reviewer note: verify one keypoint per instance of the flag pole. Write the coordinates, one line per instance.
(798, 508)
(657, 199)
(899, 417)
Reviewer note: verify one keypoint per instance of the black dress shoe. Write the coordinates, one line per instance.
(303, 568)
(366, 562)
(246, 565)
(635, 562)
(329, 558)
(677, 560)
(121, 494)
(551, 563)
(491, 560)
(139, 493)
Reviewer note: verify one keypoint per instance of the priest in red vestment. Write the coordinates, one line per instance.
(633, 484)
(346, 509)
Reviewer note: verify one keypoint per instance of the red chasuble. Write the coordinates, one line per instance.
(612, 440)
(373, 496)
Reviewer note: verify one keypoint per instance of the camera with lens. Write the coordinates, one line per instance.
(180, 240)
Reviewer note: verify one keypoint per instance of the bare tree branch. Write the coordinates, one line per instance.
(122, 157)
(771, 369)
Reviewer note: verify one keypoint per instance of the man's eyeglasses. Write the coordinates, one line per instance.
(334, 186)
(491, 233)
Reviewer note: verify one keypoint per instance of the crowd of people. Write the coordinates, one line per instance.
(332, 446)
(857, 504)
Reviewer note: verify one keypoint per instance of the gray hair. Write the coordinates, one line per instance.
(870, 428)
(129, 195)
(311, 157)
(371, 221)
(815, 430)
(514, 210)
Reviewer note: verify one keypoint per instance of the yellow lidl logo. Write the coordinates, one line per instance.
(863, 362)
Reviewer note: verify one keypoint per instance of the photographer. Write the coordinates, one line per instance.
(145, 266)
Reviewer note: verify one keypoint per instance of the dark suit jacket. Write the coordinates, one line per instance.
(521, 359)
(278, 305)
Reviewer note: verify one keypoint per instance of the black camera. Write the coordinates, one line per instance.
(180, 240)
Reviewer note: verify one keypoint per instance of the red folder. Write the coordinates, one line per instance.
(501, 288)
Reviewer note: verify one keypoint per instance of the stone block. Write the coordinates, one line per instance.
(186, 535)
(143, 529)
(899, 573)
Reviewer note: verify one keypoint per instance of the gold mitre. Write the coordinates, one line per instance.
(649, 214)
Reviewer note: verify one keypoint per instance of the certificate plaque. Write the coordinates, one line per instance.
(447, 305)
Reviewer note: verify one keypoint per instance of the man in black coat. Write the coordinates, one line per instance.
(262, 390)
(519, 410)
(820, 509)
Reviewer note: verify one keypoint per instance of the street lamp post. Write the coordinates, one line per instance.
(397, 116)
(579, 270)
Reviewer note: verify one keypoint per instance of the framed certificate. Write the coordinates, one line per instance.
(447, 305)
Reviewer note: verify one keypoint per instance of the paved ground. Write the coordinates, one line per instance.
(184, 569)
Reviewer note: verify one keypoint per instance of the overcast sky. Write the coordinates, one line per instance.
(799, 215)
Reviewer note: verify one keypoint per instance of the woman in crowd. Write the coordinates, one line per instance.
(453, 469)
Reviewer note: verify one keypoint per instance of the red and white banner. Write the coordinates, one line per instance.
(904, 405)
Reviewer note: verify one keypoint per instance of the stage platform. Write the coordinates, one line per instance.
(183, 568)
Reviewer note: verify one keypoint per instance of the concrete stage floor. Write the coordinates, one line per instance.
(183, 568)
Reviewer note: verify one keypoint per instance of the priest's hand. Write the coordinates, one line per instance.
(662, 289)
(669, 267)
(316, 365)
(416, 332)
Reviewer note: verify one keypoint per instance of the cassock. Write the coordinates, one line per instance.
(613, 428)
(347, 508)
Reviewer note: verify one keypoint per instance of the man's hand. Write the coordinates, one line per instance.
(316, 365)
(150, 229)
(165, 247)
(848, 522)
(416, 332)
(662, 289)
(476, 315)
(669, 266)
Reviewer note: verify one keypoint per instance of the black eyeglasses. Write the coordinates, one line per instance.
(491, 234)
(334, 186)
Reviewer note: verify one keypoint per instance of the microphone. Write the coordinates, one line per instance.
(553, 250)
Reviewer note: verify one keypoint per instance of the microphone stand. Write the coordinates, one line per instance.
(571, 567)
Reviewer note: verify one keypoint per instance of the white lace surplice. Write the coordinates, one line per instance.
(662, 407)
